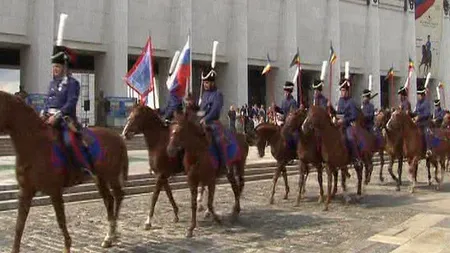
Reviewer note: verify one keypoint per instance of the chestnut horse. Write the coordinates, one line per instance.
(199, 167)
(267, 133)
(143, 119)
(334, 150)
(414, 147)
(309, 152)
(35, 144)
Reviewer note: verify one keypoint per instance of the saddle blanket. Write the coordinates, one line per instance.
(226, 142)
(72, 150)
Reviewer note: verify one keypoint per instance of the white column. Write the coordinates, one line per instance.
(409, 50)
(235, 90)
(112, 66)
(372, 51)
(35, 62)
(334, 35)
(444, 74)
(287, 49)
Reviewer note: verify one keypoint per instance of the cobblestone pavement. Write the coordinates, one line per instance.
(261, 227)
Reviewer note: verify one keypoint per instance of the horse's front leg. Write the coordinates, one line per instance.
(329, 177)
(301, 181)
(25, 197)
(155, 195)
(275, 180)
(381, 154)
(286, 183)
(58, 205)
(428, 163)
(193, 185)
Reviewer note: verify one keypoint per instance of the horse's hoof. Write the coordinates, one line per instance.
(397, 188)
(381, 179)
(175, 219)
(219, 221)
(107, 243)
(325, 209)
(200, 208)
(147, 226)
(320, 200)
(429, 183)
(271, 201)
(189, 234)
(206, 214)
(285, 196)
(438, 188)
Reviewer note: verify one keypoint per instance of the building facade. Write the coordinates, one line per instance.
(109, 34)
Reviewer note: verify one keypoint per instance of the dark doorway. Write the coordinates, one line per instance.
(10, 57)
(256, 86)
(307, 78)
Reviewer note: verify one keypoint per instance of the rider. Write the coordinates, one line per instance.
(348, 112)
(174, 103)
(319, 98)
(211, 105)
(368, 109)
(439, 113)
(287, 104)
(63, 94)
(404, 102)
(422, 113)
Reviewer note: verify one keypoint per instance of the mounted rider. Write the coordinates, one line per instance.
(347, 112)
(174, 102)
(288, 103)
(422, 112)
(367, 108)
(405, 105)
(439, 113)
(63, 94)
(319, 99)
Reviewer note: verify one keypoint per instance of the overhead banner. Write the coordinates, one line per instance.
(429, 15)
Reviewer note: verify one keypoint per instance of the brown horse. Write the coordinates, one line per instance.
(413, 145)
(36, 171)
(195, 141)
(267, 133)
(143, 119)
(309, 152)
(334, 150)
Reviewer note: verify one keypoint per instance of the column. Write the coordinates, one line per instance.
(333, 32)
(444, 74)
(235, 90)
(35, 62)
(111, 67)
(287, 49)
(409, 50)
(372, 51)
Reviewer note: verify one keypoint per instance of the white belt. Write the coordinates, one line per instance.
(53, 111)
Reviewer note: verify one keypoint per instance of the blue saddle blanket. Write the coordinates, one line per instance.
(224, 141)
(73, 150)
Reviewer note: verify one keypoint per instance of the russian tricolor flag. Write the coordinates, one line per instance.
(178, 82)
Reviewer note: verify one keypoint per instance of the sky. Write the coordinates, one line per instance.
(9, 80)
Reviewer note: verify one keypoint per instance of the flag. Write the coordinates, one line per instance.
(267, 67)
(140, 77)
(390, 73)
(295, 60)
(441, 85)
(333, 56)
(411, 63)
(178, 82)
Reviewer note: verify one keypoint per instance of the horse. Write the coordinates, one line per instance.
(200, 166)
(143, 119)
(49, 171)
(414, 147)
(393, 144)
(334, 150)
(309, 152)
(267, 133)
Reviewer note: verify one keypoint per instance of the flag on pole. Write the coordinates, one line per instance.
(140, 77)
(178, 82)
(296, 59)
(333, 56)
(390, 73)
(411, 63)
(268, 67)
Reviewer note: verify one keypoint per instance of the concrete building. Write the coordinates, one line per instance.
(109, 34)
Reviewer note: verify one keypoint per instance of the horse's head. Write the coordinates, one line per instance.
(141, 117)
(188, 135)
(264, 134)
(396, 121)
(317, 118)
(381, 118)
(294, 120)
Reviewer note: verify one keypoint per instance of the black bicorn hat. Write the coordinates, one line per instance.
(437, 102)
(63, 55)
(402, 91)
(421, 89)
(317, 85)
(209, 74)
(344, 84)
(289, 86)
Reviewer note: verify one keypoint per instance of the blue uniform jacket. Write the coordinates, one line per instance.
(288, 104)
(320, 100)
(423, 110)
(173, 104)
(63, 94)
(212, 103)
(368, 109)
(347, 107)
(439, 114)
(405, 105)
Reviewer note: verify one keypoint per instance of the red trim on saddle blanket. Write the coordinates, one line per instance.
(224, 147)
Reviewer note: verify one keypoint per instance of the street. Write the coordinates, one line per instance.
(281, 227)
